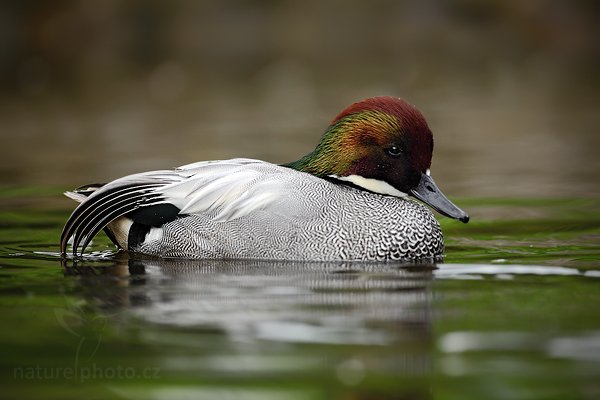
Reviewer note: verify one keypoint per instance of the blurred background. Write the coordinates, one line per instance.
(92, 90)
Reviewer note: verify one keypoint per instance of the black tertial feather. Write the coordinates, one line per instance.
(156, 215)
(137, 234)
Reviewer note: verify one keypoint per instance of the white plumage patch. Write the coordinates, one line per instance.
(373, 185)
(155, 234)
(234, 187)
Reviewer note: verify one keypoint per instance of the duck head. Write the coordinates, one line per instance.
(380, 144)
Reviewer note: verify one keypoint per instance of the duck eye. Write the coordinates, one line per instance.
(394, 150)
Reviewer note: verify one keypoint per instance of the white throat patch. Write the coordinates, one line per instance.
(374, 185)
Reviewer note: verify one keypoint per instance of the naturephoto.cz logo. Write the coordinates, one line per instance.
(84, 374)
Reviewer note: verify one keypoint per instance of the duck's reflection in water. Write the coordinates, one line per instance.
(382, 312)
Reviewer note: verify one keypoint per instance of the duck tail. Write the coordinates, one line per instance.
(83, 192)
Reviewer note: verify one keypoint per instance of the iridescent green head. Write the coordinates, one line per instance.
(380, 144)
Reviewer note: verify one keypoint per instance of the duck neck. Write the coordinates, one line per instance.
(311, 163)
(326, 159)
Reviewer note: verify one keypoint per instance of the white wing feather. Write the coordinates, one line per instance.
(233, 187)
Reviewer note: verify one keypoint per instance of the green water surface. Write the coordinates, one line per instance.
(511, 314)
